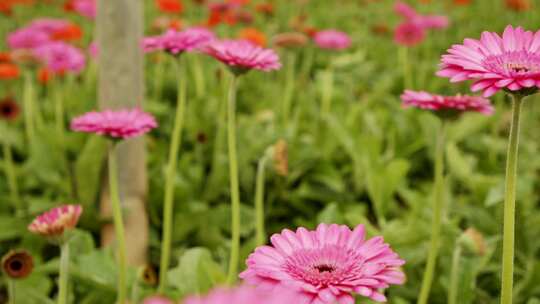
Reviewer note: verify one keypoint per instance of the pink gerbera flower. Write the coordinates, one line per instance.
(412, 16)
(242, 55)
(244, 295)
(27, 38)
(325, 266)
(61, 57)
(115, 124)
(175, 42)
(454, 104)
(510, 62)
(409, 34)
(54, 222)
(332, 39)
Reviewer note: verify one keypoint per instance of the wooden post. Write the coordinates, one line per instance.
(119, 28)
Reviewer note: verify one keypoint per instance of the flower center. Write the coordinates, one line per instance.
(321, 267)
(515, 63)
(324, 268)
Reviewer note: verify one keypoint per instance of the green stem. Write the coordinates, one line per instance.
(29, 107)
(158, 77)
(118, 225)
(11, 175)
(327, 92)
(510, 203)
(11, 291)
(404, 58)
(198, 75)
(259, 202)
(437, 217)
(289, 87)
(235, 191)
(59, 116)
(64, 274)
(454, 275)
(176, 140)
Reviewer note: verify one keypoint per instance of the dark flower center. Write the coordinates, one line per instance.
(517, 67)
(16, 265)
(324, 268)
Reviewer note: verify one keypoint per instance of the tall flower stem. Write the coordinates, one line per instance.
(404, 58)
(259, 202)
(118, 225)
(198, 76)
(168, 204)
(436, 218)
(510, 203)
(64, 274)
(454, 275)
(289, 87)
(11, 291)
(235, 188)
(59, 115)
(11, 175)
(28, 102)
(327, 92)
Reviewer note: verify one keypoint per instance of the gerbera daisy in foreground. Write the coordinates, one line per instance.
(510, 62)
(325, 266)
(244, 295)
(242, 55)
(447, 104)
(115, 124)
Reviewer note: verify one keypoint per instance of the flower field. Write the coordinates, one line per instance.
(269, 152)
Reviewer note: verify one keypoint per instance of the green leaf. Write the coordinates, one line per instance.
(197, 272)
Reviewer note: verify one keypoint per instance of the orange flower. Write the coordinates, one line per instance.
(175, 24)
(217, 17)
(170, 6)
(253, 35)
(240, 2)
(310, 31)
(8, 71)
(5, 57)
(68, 33)
(5, 7)
(265, 8)
(44, 76)
(518, 5)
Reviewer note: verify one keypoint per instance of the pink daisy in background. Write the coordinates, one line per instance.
(176, 42)
(510, 62)
(27, 38)
(453, 104)
(332, 40)
(412, 16)
(409, 34)
(60, 57)
(242, 55)
(56, 221)
(119, 124)
(49, 25)
(244, 295)
(325, 266)
(157, 300)
(86, 8)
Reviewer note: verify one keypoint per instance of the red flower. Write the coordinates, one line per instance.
(68, 33)
(5, 57)
(44, 76)
(69, 6)
(8, 71)
(265, 8)
(170, 6)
